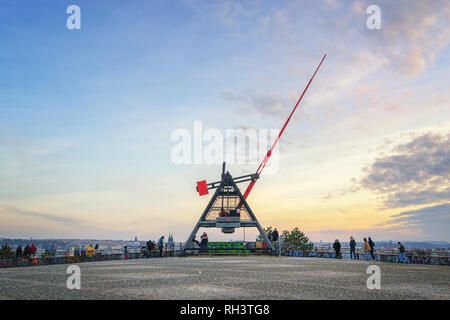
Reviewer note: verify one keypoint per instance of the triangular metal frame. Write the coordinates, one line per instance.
(227, 180)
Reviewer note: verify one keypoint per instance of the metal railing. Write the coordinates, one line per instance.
(176, 250)
(99, 255)
(412, 257)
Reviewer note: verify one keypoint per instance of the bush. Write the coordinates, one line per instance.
(6, 252)
(296, 239)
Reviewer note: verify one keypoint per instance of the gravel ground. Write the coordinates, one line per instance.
(227, 278)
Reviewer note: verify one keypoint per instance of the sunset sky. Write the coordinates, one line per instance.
(86, 116)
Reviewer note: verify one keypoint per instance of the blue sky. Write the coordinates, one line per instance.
(87, 115)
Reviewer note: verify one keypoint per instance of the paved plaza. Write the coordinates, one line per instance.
(251, 277)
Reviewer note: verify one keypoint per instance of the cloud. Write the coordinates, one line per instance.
(329, 196)
(404, 199)
(228, 13)
(433, 220)
(416, 172)
(36, 214)
(413, 32)
(269, 104)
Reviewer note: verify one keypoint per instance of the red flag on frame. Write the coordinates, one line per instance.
(202, 187)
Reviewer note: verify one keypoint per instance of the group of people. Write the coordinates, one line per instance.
(27, 252)
(90, 251)
(30, 251)
(273, 235)
(368, 246)
(203, 244)
(151, 245)
(233, 213)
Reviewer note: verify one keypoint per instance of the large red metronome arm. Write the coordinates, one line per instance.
(269, 153)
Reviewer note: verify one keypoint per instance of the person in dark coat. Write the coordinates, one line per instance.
(337, 248)
(83, 252)
(26, 251)
(372, 245)
(150, 246)
(275, 235)
(352, 248)
(402, 255)
(18, 252)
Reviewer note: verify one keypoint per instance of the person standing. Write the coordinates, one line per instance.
(161, 245)
(352, 248)
(275, 235)
(372, 245)
(125, 252)
(33, 250)
(337, 248)
(150, 246)
(269, 236)
(367, 249)
(83, 252)
(402, 255)
(76, 251)
(18, 252)
(26, 252)
(90, 250)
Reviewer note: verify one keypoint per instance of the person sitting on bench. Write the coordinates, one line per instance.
(204, 242)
